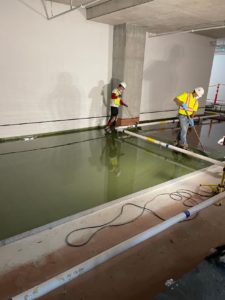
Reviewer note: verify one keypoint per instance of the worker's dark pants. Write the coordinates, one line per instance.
(114, 115)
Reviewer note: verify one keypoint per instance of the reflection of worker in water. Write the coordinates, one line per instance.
(188, 106)
(221, 141)
(116, 101)
(112, 151)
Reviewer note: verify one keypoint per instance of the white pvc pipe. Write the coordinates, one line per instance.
(177, 149)
(121, 128)
(152, 35)
(63, 278)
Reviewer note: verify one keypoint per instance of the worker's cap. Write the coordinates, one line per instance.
(123, 84)
(199, 91)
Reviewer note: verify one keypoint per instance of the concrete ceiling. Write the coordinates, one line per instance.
(159, 16)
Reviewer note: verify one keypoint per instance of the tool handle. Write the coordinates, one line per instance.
(195, 131)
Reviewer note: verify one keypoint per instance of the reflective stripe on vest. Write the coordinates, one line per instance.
(189, 109)
(116, 102)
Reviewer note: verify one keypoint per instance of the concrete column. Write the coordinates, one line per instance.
(128, 60)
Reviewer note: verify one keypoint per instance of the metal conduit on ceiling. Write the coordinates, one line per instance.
(71, 5)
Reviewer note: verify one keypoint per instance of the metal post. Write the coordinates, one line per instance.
(217, 92)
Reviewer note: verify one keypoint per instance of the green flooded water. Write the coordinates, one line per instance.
(53, 177)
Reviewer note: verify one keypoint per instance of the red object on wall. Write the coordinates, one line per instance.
(217, 92)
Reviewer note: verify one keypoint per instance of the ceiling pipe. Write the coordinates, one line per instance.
(60, 14)
(71, 274)
(45, 9)
(152, 35)
(67, 11)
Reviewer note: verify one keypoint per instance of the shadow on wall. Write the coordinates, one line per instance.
(65, 100)
(100, 101)
(162, 77)
(100, 96)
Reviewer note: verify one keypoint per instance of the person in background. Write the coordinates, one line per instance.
(187, 103)
(116, 101)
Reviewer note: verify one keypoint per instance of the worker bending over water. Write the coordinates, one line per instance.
(188, 106)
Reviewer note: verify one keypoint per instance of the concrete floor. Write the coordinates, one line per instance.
(205, 282)
(139, 273)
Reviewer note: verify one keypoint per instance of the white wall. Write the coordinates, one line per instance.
(217, 76)
(173, 64)
(51, 70)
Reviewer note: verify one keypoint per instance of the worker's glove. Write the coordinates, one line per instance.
(191, 122)
(184, 106)
(125, 105)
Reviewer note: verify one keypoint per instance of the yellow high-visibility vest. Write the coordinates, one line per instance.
(116, 102)
(192, 103)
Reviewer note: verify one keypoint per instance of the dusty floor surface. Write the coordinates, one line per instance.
(139, 273)
(206, 281)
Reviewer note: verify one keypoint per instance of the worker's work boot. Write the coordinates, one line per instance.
(108, 129)
(185, 147)
(176, 143)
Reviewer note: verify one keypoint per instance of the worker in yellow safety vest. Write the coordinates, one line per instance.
(187, 107)
(116, 101)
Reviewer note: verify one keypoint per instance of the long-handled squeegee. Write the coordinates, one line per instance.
(195, 132)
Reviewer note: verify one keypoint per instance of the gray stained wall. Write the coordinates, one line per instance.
(62, 70)
(173, 64)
